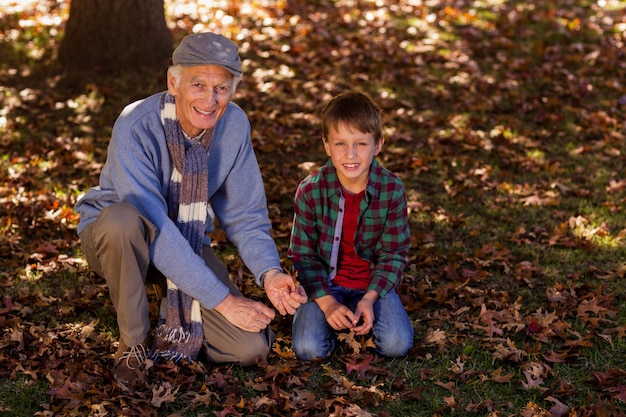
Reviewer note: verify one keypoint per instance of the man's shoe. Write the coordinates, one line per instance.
(128, 368)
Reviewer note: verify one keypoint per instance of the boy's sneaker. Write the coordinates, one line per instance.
(128, 368)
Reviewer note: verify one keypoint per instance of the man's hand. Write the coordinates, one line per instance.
(246, 314)
(285, 293)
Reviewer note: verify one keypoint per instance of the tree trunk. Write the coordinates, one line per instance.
(114, 36)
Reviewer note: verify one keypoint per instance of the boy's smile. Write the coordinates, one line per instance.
(352, 152)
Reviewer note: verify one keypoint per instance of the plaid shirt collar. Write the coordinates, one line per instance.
(372, 189)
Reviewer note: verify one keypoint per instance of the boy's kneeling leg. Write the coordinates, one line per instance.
(393, 330)
(313, 338)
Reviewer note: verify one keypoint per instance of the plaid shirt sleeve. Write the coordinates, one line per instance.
(383, 237)
(310, 245)
(392, 248)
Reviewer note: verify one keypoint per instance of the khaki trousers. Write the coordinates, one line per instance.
(117, 245)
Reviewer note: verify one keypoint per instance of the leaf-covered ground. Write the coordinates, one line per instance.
(507, 122)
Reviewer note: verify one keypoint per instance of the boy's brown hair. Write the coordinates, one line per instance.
(357, 110)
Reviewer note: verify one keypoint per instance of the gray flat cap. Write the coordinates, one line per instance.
(208, 49)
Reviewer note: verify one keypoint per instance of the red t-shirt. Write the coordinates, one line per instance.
(352, 271)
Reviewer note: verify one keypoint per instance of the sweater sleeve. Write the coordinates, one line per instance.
(136, 169)
(240, 203)
(393, 246)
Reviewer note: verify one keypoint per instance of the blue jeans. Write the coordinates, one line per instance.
(313, 338)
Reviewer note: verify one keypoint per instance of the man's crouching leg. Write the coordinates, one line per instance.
(225, 342)
(116, 246)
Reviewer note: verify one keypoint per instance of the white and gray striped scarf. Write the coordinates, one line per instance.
(180, 334)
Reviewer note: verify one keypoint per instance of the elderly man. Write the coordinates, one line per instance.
(178, 161)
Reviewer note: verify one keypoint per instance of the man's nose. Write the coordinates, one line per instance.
(211, 96)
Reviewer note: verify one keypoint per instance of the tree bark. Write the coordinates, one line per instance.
(115, 36)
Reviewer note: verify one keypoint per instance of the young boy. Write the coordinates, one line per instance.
(350, 238)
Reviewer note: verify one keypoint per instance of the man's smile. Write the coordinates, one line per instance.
(206, 113)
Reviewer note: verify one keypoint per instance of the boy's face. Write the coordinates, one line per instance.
(202, 96)
(352, 153)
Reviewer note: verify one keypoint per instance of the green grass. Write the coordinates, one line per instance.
(21, 397)
(505, 130)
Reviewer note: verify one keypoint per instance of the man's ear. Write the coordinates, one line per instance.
(171, 82)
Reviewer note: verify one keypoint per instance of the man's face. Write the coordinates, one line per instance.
(202, 95)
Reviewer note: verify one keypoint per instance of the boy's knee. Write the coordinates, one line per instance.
(395, 346)
(309, 350)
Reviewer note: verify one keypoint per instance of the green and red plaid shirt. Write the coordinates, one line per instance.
(382, 236)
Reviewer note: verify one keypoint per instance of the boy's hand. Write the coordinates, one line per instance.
(284, 292)
(364, 313)
(337, 315)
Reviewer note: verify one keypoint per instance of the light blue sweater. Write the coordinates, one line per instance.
(138, 171)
